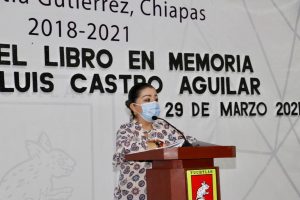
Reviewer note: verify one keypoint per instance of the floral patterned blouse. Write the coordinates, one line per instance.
(131, 139)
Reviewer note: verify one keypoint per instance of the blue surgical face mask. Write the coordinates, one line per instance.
(149, 110)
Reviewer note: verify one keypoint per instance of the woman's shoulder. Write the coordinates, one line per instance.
(130, 124)
(129, 127)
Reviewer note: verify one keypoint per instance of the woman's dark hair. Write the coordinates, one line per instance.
(134, 93)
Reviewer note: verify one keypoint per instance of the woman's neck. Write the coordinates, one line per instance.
(145, 124)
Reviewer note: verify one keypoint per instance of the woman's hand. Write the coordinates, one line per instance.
(154, 144)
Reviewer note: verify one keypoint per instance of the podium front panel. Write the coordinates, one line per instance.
(166, 184)
(173, 184)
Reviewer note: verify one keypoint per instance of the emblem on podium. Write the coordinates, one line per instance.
(202, 184)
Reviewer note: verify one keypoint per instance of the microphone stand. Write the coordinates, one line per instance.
(186, 142)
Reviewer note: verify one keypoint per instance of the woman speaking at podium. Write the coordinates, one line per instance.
(140, 134)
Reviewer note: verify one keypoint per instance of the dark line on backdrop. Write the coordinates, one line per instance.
(291, 56)
(285, 19)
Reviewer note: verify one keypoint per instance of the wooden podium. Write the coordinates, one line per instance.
(167, 180)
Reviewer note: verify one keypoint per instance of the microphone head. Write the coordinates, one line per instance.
(154, 117)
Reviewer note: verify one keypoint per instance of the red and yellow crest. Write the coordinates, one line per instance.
(202, 184)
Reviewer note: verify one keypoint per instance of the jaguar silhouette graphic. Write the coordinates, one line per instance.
(32, 179)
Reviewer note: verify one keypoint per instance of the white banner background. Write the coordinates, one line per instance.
(82, 127)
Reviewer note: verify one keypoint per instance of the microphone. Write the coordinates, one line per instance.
(186, 142)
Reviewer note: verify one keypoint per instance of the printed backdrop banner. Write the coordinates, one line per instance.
(227, 73)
